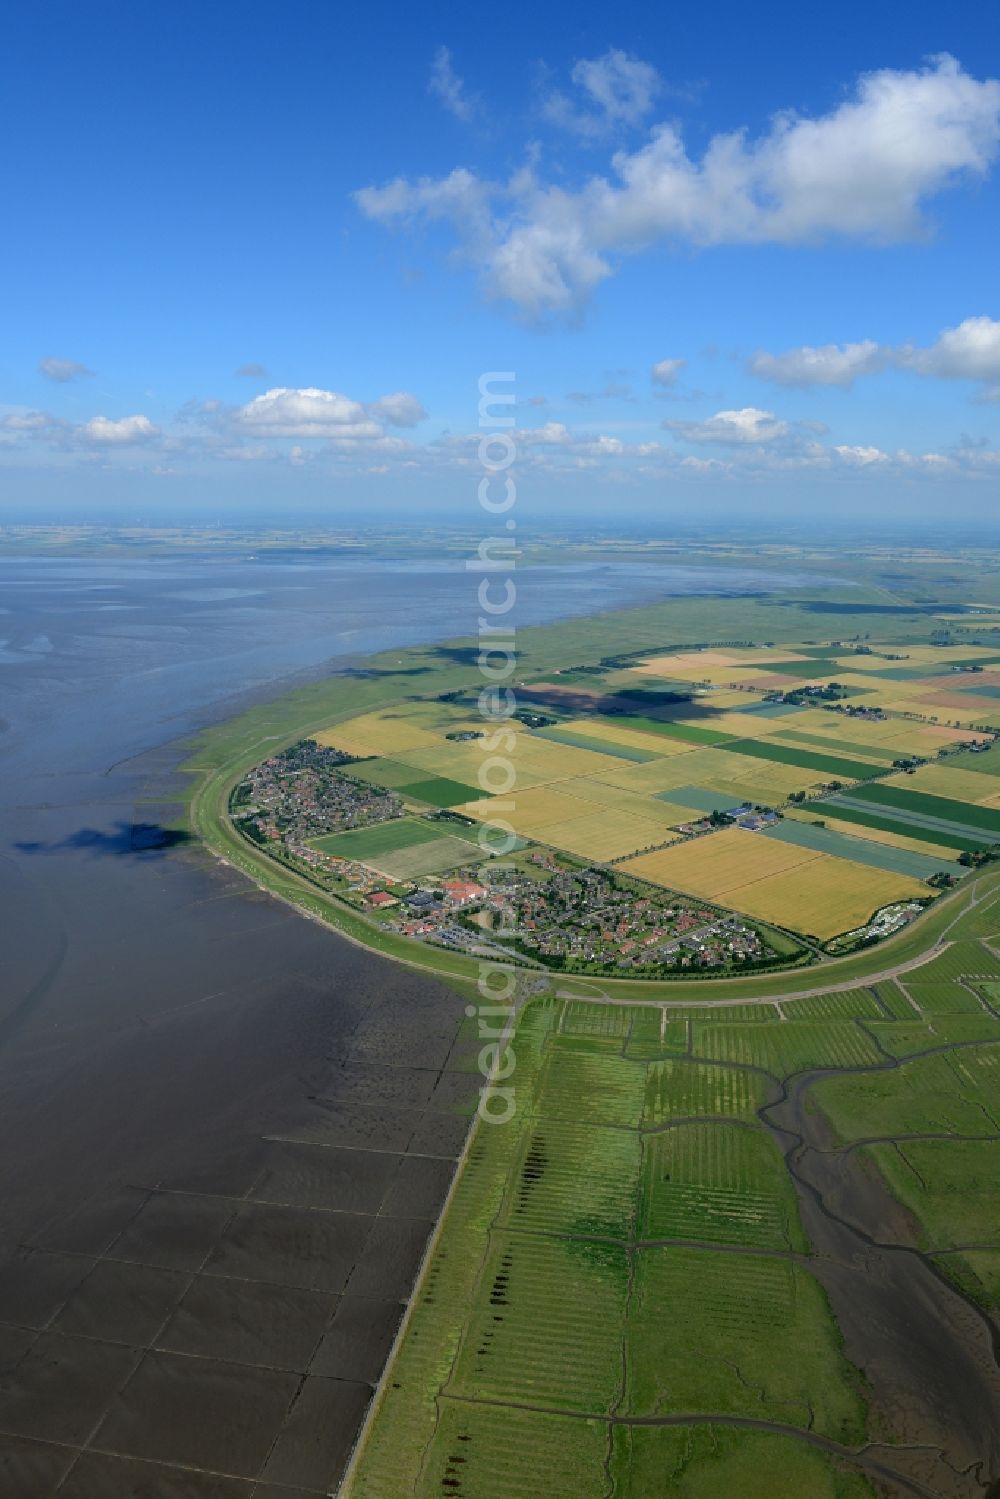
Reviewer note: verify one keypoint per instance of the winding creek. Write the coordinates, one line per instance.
(930, 1355)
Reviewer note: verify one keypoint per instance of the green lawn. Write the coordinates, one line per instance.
(383, 838)
(439, 791)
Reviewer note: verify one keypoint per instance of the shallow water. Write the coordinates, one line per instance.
(216, 1116)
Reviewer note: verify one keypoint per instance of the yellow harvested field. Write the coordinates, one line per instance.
(384, 733)
(651, 777)
(698, 664)
(719, 864)
(528, 811)
(684, 662)
(535, 760)
(718, 770)
(940, 656)
(895, 736)
(826, 897)
(605, 834)
(812, 893)
(613, 733)
(602, 794)
(938, 780)
(743, 725)
(873, 835)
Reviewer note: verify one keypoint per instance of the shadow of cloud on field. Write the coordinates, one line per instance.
(124, 839)
(460, 655)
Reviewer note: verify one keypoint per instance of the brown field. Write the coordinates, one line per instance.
(964, 706)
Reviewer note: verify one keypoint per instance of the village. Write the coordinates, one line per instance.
(539, 908)
(299, 794)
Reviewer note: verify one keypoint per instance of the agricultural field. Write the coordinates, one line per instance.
(402, 849)
(639, 764)
(827, 840)
(872, 836)
(775, 881)
(718, 865)
(599, 837)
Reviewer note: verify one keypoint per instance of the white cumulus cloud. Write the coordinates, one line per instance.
(401, 409)
(969, 352)
(312, 412)
(864, 172)
(860, 457)
(667, 371)
(831, 364)
(118, 432)
(749, 425)
(617, 89)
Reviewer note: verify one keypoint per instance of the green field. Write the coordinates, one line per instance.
(950, 836)
(704, 1462)
(592, 742)
(719, 1182)
(870, 752)
(639, 1210)
(987, 761)
(944, 1093)
(565, 1282)
(952, 1187)
(439, 791)
(921, 804)
(384, 838)
(834, 766)
(878, 855)
(689, 732)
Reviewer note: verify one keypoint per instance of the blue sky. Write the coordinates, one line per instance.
(791, 213)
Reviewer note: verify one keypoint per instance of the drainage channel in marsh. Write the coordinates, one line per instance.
(928, 1353)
